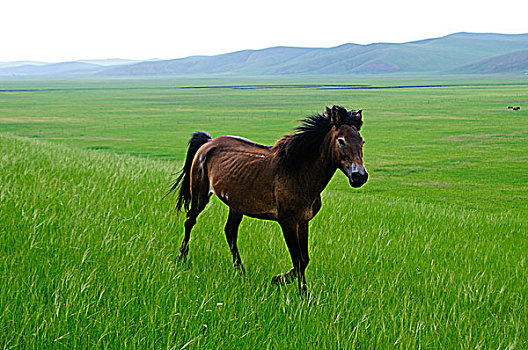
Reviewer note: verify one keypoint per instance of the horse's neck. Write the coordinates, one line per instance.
(319, 173)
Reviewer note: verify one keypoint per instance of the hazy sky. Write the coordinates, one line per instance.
(60, 30)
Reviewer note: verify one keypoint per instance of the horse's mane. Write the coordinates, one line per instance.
(303, 146)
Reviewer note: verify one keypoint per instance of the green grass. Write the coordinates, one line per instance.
(431, 253)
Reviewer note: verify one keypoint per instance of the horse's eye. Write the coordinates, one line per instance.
(341, 142)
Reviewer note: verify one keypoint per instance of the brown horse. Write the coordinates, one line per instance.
(281, 182)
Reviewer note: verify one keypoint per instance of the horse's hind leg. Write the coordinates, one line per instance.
(231, 231)
(199, 200)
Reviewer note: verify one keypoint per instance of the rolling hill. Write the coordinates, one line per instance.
(73, 68)
(426, 56)
(62, 68)
(512, 62)
(20, 63)
(455, 53)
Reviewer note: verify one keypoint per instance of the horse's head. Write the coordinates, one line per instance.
(346, 144)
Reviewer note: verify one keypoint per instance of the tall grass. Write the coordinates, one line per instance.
(88, 259)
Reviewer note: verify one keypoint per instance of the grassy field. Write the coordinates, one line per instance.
(430, 253)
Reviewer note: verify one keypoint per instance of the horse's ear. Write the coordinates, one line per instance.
(359, 115)
(335, 117)
(328, 112)
(356, 118)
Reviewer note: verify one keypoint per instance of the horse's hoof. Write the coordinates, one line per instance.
(278, 280)
(240, 268)
(284, 278)
(181, 257)
(183, 253)
(303, 290)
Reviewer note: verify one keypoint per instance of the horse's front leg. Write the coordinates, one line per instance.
(290, 229)
(305, 258)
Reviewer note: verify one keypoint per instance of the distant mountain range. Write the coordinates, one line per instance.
(74, 68)
(475, 53)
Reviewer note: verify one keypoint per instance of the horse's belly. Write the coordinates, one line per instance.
(248, 200)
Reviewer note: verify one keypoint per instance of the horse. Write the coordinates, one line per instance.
(282, 182)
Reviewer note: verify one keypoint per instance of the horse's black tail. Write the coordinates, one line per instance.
(183, 181)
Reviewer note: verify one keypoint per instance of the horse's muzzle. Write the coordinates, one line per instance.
(357, 176)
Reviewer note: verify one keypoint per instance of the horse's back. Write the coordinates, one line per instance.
(241, 144)
(241, 173)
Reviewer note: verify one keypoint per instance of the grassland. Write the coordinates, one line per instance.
(431, 253)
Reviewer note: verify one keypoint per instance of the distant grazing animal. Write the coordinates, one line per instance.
(510, 107)
(281, 182)
(516, 108)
